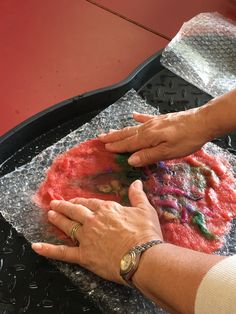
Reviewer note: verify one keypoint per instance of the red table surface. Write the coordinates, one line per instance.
(54, 50)
(165, 17)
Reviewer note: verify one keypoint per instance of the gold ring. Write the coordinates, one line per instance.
(73, 232)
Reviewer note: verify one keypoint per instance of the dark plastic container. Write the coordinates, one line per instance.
(75, 107)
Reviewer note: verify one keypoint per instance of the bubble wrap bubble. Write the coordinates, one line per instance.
(17, 188)
(204, 53)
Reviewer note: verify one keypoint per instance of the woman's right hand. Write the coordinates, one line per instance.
(160, 137)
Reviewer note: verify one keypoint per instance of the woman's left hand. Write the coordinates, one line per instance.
(108, 230)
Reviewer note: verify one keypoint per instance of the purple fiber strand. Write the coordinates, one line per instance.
(165, 203)
(190, 208)
(184, 215)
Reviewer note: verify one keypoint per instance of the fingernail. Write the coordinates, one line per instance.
(101, 135)
(112, 130)
(134, 160)
(37, 246)
(51, 213)
(54, 203)
(138, 184)
(109, 145)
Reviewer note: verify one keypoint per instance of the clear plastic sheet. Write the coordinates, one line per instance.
(204, 53)
(17, 188)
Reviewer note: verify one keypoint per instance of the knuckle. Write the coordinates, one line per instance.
(75, 200)
(164, 153)
(84, 259)
(108, 204)
(111, 204)
(71, 212)
(146, 156)
(141, 204)
(142, 201)
(150, 124)
(95, 204)
(60, 206)
(62, 252)
(126, 130)
(90, 220)
(93, 201)
(57, 219)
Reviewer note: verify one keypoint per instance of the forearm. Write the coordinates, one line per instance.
(172, 275)
(219, 115)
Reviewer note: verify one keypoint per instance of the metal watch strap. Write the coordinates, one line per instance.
(143, 247)
(138, 250)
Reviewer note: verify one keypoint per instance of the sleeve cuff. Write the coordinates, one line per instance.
(217, 291)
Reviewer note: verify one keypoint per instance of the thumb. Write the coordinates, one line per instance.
(148, 156)
(137, 196)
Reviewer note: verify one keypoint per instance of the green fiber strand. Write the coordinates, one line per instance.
(129, 172)
(122, 159)
(199, 220)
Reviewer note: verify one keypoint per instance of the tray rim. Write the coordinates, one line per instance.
(27, 130)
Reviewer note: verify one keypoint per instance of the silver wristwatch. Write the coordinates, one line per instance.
(129, 262)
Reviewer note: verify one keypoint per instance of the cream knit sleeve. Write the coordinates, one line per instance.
(217, 291)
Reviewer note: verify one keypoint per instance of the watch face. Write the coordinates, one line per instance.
(126, 262)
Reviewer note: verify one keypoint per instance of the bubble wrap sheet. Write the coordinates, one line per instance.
(204, 53)
(17, 188)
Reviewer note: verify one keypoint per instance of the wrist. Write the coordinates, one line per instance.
(218, 115)
(170, 275)
(141, 276)
(210, 118)
(130, 261)
(206, 124)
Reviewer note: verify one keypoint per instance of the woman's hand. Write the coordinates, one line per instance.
(108, 231)
(160, 137)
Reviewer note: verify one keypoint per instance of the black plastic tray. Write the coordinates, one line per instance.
(28, 282)
(79, 106)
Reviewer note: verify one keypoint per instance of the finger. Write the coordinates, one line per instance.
(62, 223)
(148, 156)
(118, 135)
(139, 199)
(132, 144)
(58, 252)
(73, 211)
(137, 196)
(92, 203)
(140, 117)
